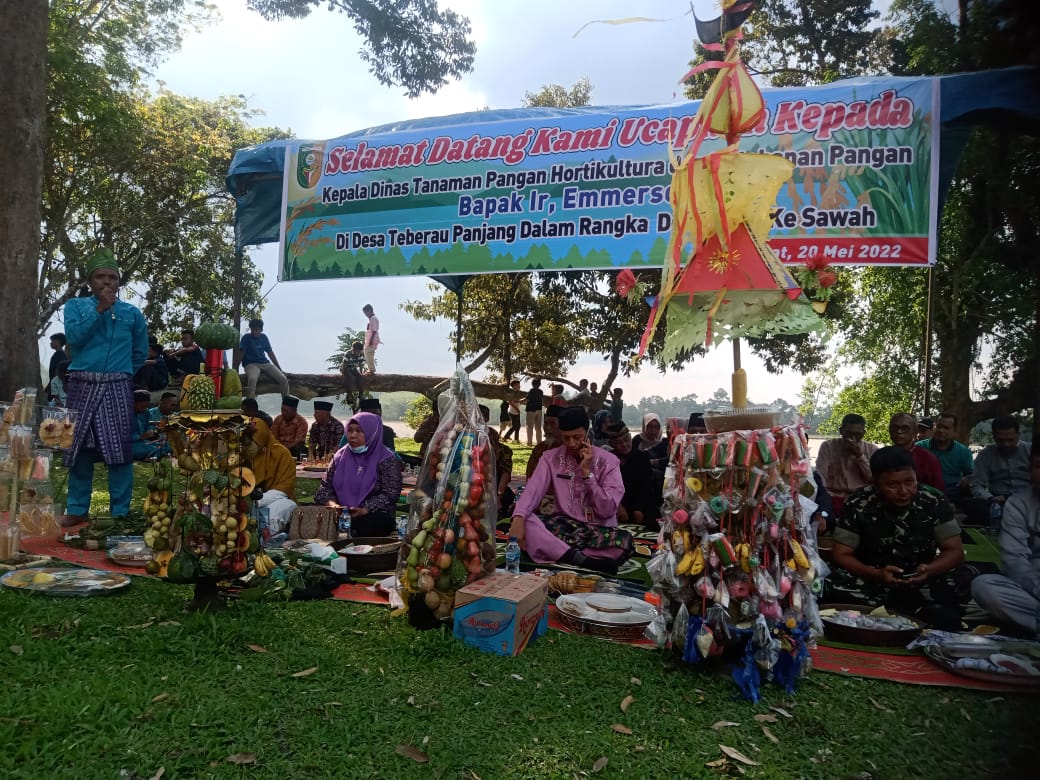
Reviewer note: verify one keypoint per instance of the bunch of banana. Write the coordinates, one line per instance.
(692, 562)
(743, 551)
(155, 500)
(800, 558)
(680, 541)
(263, 564)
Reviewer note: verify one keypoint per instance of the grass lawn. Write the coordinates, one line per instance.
(131, 684)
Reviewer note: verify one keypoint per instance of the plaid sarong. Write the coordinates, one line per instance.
(105, 406)
(585, 536)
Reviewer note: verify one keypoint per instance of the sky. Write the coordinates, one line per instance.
(306, 76)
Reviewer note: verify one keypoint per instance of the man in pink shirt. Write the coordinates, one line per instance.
(587, 484)
(902, 429)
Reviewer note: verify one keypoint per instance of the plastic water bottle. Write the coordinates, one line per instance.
(344, 522)
(996, 512)
(513, 556)
(402, 526)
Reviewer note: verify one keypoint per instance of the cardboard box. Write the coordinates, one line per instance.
(502, 613)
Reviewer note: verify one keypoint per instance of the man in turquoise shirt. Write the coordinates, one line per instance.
(109, 341)
(953, 456)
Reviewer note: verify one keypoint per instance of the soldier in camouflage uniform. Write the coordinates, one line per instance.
(886, 540)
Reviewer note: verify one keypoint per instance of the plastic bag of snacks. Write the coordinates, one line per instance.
(449, 541)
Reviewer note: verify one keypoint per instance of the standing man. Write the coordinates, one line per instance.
(954, 457)
(326, 431)
(1001, 469)
(513, 407)
(109, 340)
(289, 428)
(533, 411)
(372, 341)
(253, 353)
(1012, 596)
(902, 430)
(844, 463)
(59, 343)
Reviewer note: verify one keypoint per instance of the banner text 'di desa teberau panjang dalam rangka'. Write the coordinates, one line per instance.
(515, 191)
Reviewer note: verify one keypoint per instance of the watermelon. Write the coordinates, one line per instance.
(216, 335)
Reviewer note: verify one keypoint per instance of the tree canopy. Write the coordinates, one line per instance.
(408, 43)
(143, 174)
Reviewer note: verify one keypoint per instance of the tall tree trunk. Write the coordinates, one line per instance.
(23, 108)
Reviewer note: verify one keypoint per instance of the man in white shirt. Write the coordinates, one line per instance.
(371, 337)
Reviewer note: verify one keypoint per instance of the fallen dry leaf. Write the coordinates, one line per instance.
(411, 701)
(305, 672)
(721, 724)
(765, 717)
(17, 649)
(639, 748)
(159, 773)
(160, 697)
(168, 623)
(718, 762)
(636, 681)
(621, 729)
(241, 758)
(333, 704)
(736, 755)
(516, 677)
(473, 775)
(408, 751)
(141, 625)
(627, 702)
(770, 735)
(257, 648)
(601, 762)
(991, 700)
(782, 711)
(964, 712)
(878, 705)
(426, 740)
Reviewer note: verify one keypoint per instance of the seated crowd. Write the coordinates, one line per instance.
(900, 511)
(895, 512)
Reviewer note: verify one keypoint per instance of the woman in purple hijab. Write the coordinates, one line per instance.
(365, 478)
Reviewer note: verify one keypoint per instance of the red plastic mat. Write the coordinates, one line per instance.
(91, 559)
(908, 669)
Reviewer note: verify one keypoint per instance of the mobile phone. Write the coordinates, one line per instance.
(907, 574)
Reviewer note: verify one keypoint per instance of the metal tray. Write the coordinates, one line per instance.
(871, 637)
(947, 658)
(65, 582)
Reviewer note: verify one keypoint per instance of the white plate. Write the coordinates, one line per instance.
(624, 610)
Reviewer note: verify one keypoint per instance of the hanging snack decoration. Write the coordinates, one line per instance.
(739, 552)
(449, 541)
(733, 284)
